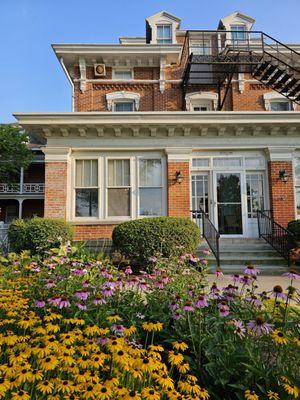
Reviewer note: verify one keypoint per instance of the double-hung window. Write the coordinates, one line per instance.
(119, 188)
(284, 105)
(123, 106)
(238, 32)
(150, 187)
(164, 34)
(123, 74)
(86, 188)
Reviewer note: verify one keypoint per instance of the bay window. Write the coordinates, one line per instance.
(150, 187)
(86, 188)
(118, 187)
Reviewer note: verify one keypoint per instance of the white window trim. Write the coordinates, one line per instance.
(118, 69)
(103, 186)
(198, 99)
(276, 97)
(119, 96)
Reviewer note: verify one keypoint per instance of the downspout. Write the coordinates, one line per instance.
(61, 60)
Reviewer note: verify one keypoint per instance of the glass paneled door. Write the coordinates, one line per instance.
(200, 192)
(229, 203)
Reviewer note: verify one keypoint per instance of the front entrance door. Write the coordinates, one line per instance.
(229, 210)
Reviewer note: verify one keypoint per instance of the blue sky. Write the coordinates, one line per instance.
(31, 77)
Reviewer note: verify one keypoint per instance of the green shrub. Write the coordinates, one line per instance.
(294, 227)
(169, 236)
(17, 235)
(38, 234)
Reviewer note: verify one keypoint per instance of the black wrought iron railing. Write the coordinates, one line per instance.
(282, 240)
(209, 232)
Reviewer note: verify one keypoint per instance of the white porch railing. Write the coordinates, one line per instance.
(4, 245)
(26, 188)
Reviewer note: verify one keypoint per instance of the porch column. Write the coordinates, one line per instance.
(178, 161)
(282, 191)
(20, 208)
(57, 182)
(21, 179)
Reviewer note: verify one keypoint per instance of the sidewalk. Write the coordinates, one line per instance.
(264, 282)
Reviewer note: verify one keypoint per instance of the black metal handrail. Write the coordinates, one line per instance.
(209, 232)
(281, 239)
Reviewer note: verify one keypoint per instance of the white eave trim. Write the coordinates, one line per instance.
(160, 117)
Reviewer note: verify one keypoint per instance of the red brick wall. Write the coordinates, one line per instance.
(92, 232)
(56, 176)
(178, 193)
(282, 193)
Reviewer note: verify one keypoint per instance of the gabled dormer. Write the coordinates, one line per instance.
(161, 28)
(237, 22)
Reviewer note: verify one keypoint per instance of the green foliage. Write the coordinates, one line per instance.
(14, 152)
(38, 234)
(17, 235)
(167, 236)
(294, 227)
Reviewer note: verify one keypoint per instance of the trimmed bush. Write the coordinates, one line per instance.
(294, 227)
(17, 235)
(38, 234)
(169, 236)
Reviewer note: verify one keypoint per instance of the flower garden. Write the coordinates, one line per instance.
(75, 327)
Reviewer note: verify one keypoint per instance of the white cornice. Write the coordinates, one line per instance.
(159, 117)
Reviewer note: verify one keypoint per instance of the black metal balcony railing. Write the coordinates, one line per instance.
(25, 188)
(209, 232)
(282, 240)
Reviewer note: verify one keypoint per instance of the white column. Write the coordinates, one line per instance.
(20, 207)
(21, 180)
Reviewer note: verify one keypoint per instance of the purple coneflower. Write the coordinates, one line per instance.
(278, 292)
(246, 279)
(128, 270)
(176, 316)
(117, 329)
(218, 272)
(99, 301)
(292, 274)
(40, 303)
(50, 284)
(236, 278)
(81, 306)
(174, 305)
(108, 289)
(206, 252)
(86, 284)
(239, 328)
(188, 306)
(254, 300)
(64, 303)
(259, 326)
(224, 311)
(54, 301)
(103, 340)
(203, 261)
(142, 284)
(251, 270)
(201, 302)
(82, 294)
(152, 259)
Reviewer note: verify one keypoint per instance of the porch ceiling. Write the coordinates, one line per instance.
(163, 124)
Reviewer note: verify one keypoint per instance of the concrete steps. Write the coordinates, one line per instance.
(236, 253)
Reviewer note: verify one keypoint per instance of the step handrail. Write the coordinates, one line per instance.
(209, 232)
(280, 238)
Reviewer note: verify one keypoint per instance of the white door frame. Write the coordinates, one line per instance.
(243, 200)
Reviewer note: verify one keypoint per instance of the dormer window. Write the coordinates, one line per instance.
(238, 32)
(123, 74)
(164, 34)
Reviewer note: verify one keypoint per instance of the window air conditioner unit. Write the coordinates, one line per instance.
(99, 70)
